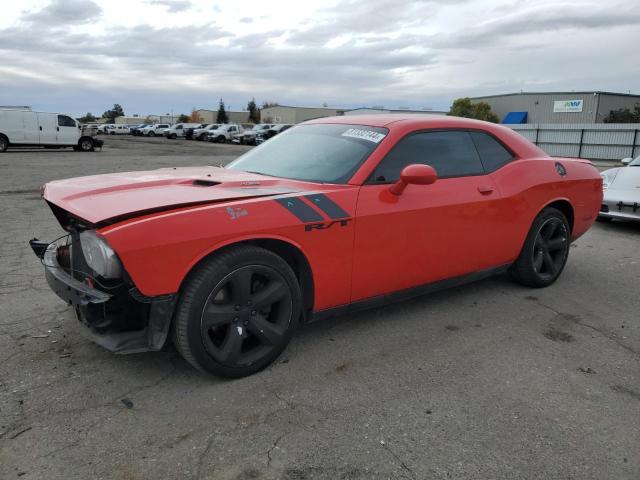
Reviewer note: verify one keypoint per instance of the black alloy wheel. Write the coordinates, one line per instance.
(550, 248)
(237, 312)
(246, 316)
(545, 251)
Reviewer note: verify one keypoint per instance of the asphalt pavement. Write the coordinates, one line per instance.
(490, 380)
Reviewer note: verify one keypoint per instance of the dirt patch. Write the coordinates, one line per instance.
(558, 335)
(452, 328)
(626, 391)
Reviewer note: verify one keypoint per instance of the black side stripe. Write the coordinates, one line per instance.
(300, 209)
(328, 206)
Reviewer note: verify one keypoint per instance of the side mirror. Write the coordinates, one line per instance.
(414, 174)
(626, 161)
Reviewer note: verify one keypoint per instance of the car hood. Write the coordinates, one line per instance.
(106, 199)
(626, 178)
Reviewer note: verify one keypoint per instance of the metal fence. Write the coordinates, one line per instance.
(607, 141)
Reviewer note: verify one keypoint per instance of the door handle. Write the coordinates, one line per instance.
(57, 129)
(485, 189)
(41, 128)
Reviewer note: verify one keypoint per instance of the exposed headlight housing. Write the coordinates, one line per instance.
(607, 178)
(99, 255)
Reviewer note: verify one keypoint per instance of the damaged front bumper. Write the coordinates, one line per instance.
(119, 319)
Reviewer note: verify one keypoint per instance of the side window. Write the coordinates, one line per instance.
(64, 121)
(450, 153)
(492, 153)
(179, 127)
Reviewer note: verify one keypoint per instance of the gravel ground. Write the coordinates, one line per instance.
(490, 380)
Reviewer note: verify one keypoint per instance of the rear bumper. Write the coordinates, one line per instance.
(121, 320)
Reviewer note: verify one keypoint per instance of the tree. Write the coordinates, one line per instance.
(222, 116)
(184, 118)
(464, 107)
(624, 115)
(269, 105)
(88, 118)
(254, 112)
(112, 114)
(195, 116)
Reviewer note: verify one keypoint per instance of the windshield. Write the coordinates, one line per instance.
(635, 163)
(323, 153)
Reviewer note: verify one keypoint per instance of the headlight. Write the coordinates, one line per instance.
(607, 178)
(99, 255)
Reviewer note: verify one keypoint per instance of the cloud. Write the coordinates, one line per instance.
(172, 6)
(344, 52)
(541, 20)
(65, 12)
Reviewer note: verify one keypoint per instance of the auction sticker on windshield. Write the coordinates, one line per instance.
(369, 135)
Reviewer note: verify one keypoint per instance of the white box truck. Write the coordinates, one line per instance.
(26, 128)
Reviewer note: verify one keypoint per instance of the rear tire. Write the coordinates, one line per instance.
(221, 139)
(237, 312)
(173, 136)
(4, 143)
(545, 250)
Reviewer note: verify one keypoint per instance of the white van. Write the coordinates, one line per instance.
(119, 130)
(24, 127)
(179, 129)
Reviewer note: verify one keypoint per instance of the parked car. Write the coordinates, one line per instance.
(137, 130)
(22, 127)
(105, 128)
(264, 135)
(188, 132)
(178, 130)
(120, 130)
(621, 188)
(248, 137)
(335, 215)
(202, 133)
(224, 133)
(154, 130)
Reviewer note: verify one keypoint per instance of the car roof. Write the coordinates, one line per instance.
(417, 120)
(519, 145)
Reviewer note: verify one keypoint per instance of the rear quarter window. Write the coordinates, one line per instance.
(492, 153)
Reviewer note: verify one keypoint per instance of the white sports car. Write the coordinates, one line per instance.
(621, 191)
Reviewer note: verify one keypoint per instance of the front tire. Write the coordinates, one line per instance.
(545, 250)
(4, 143)
(237, 312)
(151, 134)
(85, 145)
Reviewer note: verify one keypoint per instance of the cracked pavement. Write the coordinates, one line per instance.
(490, 380)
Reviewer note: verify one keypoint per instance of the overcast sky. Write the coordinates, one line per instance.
(158, 56)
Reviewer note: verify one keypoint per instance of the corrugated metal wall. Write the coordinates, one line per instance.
(611, 141)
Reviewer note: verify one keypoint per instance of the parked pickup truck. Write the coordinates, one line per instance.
(153, 130)
(178, 130)
(201, 133)
(248, 137)
(224, 133)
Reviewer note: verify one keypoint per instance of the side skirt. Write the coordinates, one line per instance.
(413, 292)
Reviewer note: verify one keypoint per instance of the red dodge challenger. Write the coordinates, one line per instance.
(331, 216)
